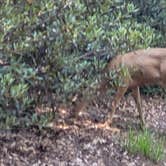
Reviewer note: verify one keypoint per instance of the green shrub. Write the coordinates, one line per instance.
(7, 120)
(57, 30)
(59, 48)
(153, 12)
(153, 90)
(15, 83)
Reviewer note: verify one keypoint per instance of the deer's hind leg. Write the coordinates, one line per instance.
(137, 98)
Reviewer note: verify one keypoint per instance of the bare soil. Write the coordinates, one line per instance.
(81, 144)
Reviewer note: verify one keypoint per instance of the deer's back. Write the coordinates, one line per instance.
(145, 66)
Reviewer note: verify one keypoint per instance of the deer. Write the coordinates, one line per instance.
(142, 67)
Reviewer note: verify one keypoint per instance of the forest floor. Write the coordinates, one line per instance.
(82, 144)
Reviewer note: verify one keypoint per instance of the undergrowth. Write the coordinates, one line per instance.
(145, 143)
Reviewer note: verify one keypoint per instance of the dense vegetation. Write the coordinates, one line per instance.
(56, 49)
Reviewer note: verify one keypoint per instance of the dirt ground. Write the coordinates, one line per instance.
(82, 144)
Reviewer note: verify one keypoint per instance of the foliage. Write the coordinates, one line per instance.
(57, 49)
(153, 90)
(43, 119)
(153, 12)
(145, 143)
(7, 120)
(15, 81)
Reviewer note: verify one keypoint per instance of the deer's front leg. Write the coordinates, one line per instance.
(120, 93)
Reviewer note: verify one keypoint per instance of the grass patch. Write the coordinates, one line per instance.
(145, 143)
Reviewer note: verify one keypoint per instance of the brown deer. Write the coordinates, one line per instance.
(144, 67)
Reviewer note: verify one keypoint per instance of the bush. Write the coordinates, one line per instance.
(153, 12)
(15, 81)
(63, 45)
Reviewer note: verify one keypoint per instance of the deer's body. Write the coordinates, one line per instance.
(149, 65)
(145, 67)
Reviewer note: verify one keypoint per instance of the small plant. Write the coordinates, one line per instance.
(7, 120)
(145, 143)
(43, 119)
